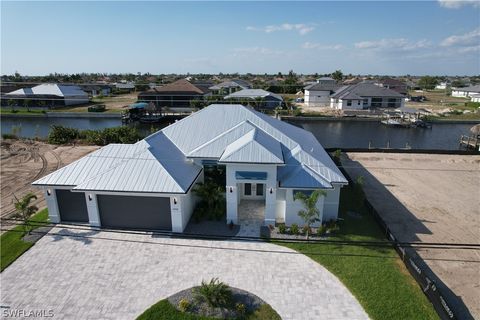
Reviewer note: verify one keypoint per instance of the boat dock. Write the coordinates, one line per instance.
(470, 142)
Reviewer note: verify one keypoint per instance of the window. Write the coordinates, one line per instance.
(248, 189)
(250, 175)
(349, 103)
(377, 102)
(392, 103)
(259, 189)
(365, 102)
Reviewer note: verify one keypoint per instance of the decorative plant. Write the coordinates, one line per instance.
(282, 228)
(241, 309)
(321, 230)
(306, 230)
(294, 228)
(25, 210)
(211, 194)
(310, 214)
(215, 293)
(183, 305)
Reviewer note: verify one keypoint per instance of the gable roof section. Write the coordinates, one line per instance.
(235, 83)
(50, 89)
(469, 89)
(253, 147)
(181, 86)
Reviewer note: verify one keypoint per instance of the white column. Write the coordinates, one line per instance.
(52, 205)
(270, 204)
(92, 208)
(176, 214)
(232, 203)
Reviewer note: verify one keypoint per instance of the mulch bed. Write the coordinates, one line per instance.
(251, 302)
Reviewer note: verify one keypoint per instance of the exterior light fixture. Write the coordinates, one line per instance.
(49, 192)
(90, 197)
(174, 200)
(231, 189)
(271, 190)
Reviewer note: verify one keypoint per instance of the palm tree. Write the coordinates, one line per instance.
(210, 193)
(310, 214)
(25, 210)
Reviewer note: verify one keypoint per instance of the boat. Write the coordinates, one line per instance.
(395, 122)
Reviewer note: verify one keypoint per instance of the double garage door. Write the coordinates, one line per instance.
(124, 212)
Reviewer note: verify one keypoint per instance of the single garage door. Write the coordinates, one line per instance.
(72, 206)
(134, 212)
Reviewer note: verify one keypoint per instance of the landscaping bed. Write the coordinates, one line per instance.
(211, 300)
(15, 242)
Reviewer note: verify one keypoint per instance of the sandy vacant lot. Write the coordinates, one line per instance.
(429, 198)
(23, 162)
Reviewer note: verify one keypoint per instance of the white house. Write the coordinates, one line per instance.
(149, 184)
(50, 94)
(268, 100)
(366, 95)
(466, 92)
(318, 94)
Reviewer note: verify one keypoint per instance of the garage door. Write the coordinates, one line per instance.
(72, 206)
(134, 212)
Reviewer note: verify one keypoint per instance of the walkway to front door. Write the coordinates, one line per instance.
(251, 214)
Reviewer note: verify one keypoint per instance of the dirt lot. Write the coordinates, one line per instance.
(429, 198)
(23, 162)
(113, 104)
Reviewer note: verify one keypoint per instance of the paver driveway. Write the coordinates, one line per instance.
(100, 278)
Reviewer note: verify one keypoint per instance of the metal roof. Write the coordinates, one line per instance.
(161, 163)
(364, 89)
(253, 94)
(59, 90)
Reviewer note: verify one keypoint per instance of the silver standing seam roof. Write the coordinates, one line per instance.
(163, 162)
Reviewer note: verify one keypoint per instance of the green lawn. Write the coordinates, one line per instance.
(375, 276)
(163, 310)
(12, 245)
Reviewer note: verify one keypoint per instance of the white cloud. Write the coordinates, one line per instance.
(469, 49)
(467, 39)
(256, 50)
(455, 4)
(319, 46)
(301, 28)
(393, 44)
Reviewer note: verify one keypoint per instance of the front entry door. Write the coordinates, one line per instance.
(254, 190)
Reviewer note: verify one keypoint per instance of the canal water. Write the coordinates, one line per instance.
(330, 133)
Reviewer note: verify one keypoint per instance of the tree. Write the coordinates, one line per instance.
(310, 214)
(337, 75)
(211, 194)
(427, 83)
(458, 84)
(25, 210)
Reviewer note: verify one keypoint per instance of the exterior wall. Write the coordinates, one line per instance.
(459, 93)
(281, 205)
(74, 100)
(92, 208)
(233, 192)
(292, 207)
(317, 98)
(331, 203)
(340, 104)
(52, 205)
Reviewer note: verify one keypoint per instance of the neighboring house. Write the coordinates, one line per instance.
(465, 92)
(365, 95)
(318, 93)
(260, 98)
(475, 97)
(393, 84)
(149, 184)
(229, 87)
(124, 86)
(442, 85)
(94, 90)
(177, 94)
(49, 95)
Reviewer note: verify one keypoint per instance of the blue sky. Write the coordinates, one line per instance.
(378, 37)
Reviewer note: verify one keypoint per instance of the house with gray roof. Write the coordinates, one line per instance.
(365, 95)
(318, 93)
(466, 92)
(148, 185)
(259, 98)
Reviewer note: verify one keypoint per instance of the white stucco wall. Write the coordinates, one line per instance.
(52, 205)
(331, 203)
(292, 208)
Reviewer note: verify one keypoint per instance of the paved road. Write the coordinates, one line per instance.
(99, 278)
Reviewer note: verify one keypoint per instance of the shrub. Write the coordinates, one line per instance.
(62, 135)
(282, 228)
(294, 229)
(215, 293)
(321, 230)
(184, 305)
(241, 309)
(9, 136)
